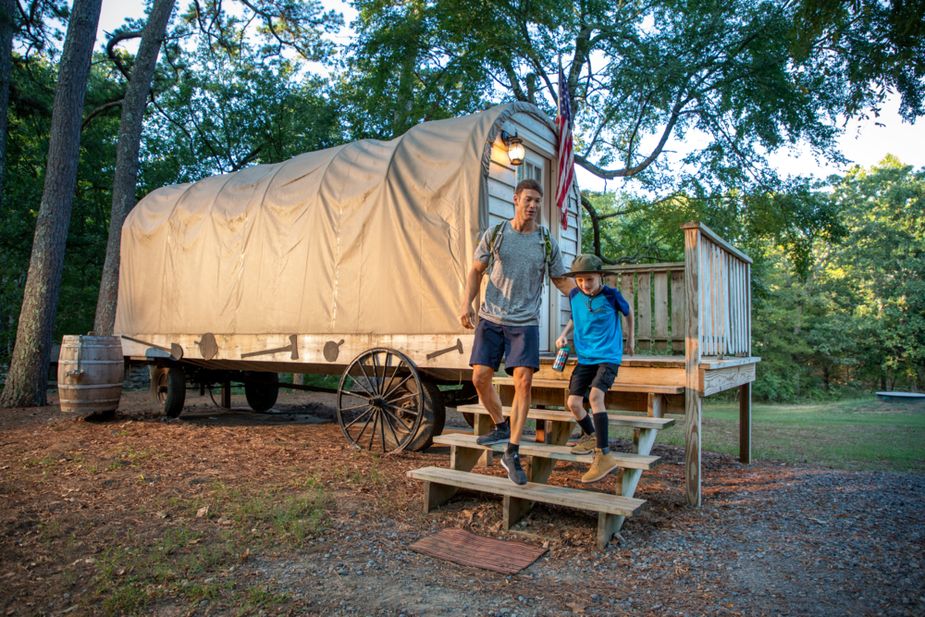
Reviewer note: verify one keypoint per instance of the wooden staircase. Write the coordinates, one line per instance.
(540, 456)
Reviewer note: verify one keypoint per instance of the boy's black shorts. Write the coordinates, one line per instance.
(586, 376)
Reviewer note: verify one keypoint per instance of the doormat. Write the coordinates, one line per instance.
(468, 549)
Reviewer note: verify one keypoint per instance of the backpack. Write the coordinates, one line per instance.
(496, 237)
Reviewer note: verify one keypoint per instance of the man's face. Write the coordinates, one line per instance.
(527, 204)
(589, 284)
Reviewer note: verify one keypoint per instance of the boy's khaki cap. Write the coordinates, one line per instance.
(586, 263)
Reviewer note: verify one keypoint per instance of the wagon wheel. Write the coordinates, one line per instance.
(380, 401)
(168, 385)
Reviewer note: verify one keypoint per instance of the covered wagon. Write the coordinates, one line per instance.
(349, 261)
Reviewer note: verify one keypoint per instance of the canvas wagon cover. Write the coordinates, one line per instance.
(370, 237)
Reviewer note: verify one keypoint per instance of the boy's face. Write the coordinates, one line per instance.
(589, 284)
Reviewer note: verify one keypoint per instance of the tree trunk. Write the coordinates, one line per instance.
(126, 175)
(7, 13)
(27, 379)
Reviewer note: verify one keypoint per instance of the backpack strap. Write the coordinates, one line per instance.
(494, 243)
(547, 245)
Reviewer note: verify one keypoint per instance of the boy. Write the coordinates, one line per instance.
(598, 340)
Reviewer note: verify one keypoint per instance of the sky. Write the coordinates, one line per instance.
(865, 142)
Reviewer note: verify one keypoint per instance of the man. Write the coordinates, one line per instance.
(517, 254)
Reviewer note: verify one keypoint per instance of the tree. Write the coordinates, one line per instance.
(741, 74)
(7, 17)
(885, 260)
(126, 174)
(27, 378)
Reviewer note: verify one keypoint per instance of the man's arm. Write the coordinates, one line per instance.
(630, 333)
(473, 284)
(565, 284)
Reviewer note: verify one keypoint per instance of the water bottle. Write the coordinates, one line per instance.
(561, 359)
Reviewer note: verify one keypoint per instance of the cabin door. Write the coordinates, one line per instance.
(534, 166)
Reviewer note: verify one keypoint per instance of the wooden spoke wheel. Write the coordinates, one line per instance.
(380, 401)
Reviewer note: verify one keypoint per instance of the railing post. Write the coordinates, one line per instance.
(692, 398)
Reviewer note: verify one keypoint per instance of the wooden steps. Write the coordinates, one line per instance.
(555, 415)
(628, 460)
(553, 428)
(617, 386)
(532, 491)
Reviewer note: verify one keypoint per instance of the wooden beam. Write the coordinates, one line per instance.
(513, 509)
(745, 423)
(718, 380)
(435, 495)
(709, 233)
(692, 398)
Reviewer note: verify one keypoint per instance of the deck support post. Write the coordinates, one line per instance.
(692, 415)
(692, 388)
(745, 423)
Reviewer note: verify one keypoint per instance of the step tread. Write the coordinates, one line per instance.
(628, 460)
(556, 495)
(617, 386)
(566, 416)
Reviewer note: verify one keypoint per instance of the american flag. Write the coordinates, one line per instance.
(566, 156)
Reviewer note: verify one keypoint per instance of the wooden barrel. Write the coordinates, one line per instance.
(90, 372)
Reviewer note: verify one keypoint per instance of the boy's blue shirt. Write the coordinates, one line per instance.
(598, 331)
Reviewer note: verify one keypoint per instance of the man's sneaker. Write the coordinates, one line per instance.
(585, 445)
(511, 462)
(497, 434)
(602, 465)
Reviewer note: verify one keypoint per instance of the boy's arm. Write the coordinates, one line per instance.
(562, 341)
(630, 348)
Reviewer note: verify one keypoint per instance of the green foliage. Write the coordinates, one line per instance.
(838, 280)
(229, 93)
(32, 91)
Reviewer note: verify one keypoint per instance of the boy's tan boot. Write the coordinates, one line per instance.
(585, 445)
(602, 465)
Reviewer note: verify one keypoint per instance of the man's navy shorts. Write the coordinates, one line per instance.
(516, 345)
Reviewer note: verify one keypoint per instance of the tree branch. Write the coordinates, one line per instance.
(111, 49)
(100, 110)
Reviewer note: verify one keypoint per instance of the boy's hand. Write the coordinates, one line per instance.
(561, 342)
(630, 348)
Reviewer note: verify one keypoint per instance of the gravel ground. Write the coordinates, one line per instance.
(770, 539)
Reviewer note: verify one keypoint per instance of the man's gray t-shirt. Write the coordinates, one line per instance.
(515, 281)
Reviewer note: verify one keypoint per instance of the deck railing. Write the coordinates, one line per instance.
(721, 287)
(656, 293)
(723, 273)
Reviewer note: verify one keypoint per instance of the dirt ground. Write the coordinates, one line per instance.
(231, 512)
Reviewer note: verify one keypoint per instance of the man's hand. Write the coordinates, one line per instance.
(467, 317)
(561, 342)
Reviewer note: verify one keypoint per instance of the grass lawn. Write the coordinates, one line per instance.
(863, 433)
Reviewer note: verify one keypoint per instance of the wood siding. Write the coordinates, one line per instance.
(502, 180)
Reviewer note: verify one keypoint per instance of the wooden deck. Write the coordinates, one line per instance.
(693, 339)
